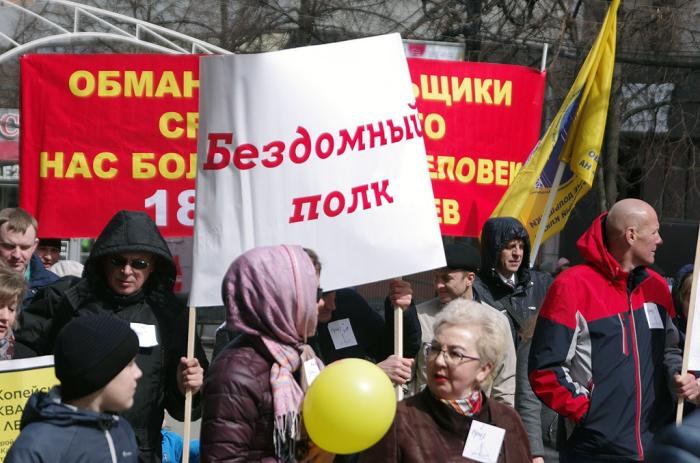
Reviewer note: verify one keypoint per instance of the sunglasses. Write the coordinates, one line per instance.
(319, 294)
(121, 262)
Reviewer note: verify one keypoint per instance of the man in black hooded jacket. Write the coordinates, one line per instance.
(505, 280)
(130, 274)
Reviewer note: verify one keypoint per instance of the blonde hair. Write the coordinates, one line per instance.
(18, 220)
(12, 289)
(484, 323)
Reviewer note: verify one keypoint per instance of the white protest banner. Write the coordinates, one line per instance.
(20, 379)
(319, 146)
(692, 341)
(691, 348)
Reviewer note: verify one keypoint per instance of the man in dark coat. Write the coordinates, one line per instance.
(505, 280)
(349, 328)
(130, 274)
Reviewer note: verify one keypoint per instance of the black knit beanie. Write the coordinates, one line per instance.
(90, 351)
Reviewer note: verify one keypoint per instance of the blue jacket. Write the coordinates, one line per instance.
(54, 431)
(173, 446)
(39, 277)
(679, 445)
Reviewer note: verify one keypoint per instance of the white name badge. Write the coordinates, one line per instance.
(484, 442)
(341, 333)
(146, 334)
(653, 317)
(311, 371)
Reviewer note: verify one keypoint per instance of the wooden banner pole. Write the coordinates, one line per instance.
(192, 319)
(689, 327)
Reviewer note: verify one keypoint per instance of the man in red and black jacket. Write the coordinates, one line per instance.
(605, 352)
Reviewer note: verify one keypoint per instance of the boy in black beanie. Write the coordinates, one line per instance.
(94, 361)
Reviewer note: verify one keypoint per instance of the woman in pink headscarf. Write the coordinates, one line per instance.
(252, 399)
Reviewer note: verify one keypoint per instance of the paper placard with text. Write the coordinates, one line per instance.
(693, 340)
(20, 379)
(319, 146)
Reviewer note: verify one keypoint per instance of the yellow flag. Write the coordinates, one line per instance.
(574, 137)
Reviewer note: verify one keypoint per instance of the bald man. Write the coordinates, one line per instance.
(605, 353)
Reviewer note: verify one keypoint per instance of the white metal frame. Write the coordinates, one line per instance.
(136, 33)
(142, 30)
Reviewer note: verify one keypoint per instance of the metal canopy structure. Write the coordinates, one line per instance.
(118, 28)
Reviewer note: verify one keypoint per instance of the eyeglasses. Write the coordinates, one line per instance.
(451, 355)
(319, 294)
(121, 262)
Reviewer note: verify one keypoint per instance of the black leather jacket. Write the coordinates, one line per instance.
(524, 299)
(155, 304)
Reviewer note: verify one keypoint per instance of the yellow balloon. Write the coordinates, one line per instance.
(349, 407)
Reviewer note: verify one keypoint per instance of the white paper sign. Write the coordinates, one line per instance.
(311, 371)
(26, 364)
(693, 335)
(342, 334)
(653, 317)
(146, 334)
(318, 146)
(484, 442)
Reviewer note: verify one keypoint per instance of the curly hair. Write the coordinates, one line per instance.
(483, 322)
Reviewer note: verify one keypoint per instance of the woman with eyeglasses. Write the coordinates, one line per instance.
(452, 419)
(252, 393)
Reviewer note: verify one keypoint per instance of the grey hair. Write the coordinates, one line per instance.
(484, 323)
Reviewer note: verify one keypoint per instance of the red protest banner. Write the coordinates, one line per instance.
(107, 132)
(480, 122)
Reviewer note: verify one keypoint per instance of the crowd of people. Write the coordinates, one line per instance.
(505, 363)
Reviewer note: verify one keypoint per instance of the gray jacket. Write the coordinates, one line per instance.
(540, 421)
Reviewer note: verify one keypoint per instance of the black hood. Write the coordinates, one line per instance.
(497, 232)
(131, 231)
(47, 407)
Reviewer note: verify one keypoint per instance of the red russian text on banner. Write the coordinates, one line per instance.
(480, 123)
(107, 132)
(319, 146)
